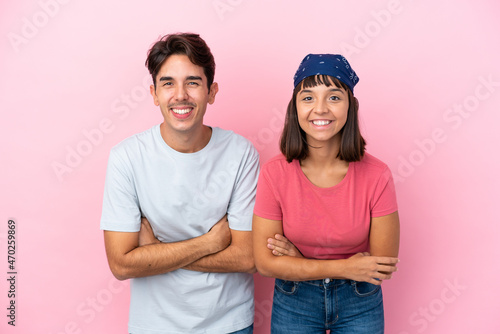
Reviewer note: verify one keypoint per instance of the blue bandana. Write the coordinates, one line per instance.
(333, 65)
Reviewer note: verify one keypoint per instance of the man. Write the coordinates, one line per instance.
(194, 187)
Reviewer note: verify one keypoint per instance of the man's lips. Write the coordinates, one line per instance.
(181, 110)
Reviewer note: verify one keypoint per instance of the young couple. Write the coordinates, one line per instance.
(188, 216)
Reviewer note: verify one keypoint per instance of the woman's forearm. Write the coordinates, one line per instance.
(360, 267)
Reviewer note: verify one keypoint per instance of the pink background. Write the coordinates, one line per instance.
(73, 84)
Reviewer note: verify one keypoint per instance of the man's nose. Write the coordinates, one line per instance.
(181, 93)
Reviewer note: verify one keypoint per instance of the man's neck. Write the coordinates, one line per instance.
(186, 142)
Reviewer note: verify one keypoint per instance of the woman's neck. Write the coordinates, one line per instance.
(322, 166)
(323, 154)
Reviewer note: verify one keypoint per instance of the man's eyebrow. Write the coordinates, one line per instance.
(191, 77)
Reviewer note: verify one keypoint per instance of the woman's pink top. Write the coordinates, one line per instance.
(326, 223)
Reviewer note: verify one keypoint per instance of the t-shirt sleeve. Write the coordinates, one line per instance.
(266, 204)
(384, 199)
(120, 209)
(240, 208)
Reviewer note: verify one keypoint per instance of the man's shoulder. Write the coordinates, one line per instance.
(232, 140)
(225, 135)
(135, 141)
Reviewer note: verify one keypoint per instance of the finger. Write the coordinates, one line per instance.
(375, 281)
(145, 221)
(280, 237)
(278, 249)
(278, 243)
(383, 277)
(360, 254)
(387, 260)
(145, 225)
(275, 252)
(221, 222)
(387, 269)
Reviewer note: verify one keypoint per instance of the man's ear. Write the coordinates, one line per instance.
(152, 90)
(214, 88)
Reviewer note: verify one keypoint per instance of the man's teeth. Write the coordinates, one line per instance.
(181, 111)
(321, 122)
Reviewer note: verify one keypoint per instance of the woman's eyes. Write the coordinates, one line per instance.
(309, 98)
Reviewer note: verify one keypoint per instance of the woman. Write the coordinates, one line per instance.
(335, 204)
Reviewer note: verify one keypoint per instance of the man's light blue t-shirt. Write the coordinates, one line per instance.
(183, 195)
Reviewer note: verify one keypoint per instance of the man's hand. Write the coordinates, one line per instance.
(279, 245)
(231, 251)
(146, 235)
(220, 235)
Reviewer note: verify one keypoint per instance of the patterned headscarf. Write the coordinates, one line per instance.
(329, 64)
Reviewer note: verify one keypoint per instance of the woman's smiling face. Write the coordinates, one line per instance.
(322, 112)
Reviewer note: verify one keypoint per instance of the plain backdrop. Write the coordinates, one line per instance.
(73, 84)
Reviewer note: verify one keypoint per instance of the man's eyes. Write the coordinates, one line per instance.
(191, 83)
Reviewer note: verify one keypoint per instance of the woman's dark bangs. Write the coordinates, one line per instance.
(322, 79)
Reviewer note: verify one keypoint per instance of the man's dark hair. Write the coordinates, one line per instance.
(191, 45)
(293, 142)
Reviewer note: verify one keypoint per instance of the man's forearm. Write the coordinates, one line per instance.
(237, 257)
(154, 259)
(229, 260)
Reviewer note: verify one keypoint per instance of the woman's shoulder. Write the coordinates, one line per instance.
(277, 163)
(373, 164)
(277, 160)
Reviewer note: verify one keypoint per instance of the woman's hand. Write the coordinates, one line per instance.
(146, 235)
(372, 269)
(279, 245)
